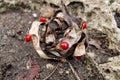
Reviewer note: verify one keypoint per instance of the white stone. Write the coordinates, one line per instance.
(67, 72)
(50, 66)
(34, 15)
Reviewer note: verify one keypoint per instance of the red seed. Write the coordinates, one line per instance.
(64, 45)
(84, 25)
(28, 38)
(79, 57)
(42, 19)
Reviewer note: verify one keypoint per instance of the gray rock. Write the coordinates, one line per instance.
(100, 18)
(115, 6)
(111, 70)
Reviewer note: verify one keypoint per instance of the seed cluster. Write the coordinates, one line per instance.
(59, 37)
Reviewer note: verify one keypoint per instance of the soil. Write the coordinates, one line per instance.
(15, 53)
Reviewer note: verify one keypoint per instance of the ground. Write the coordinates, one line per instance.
(16, 53)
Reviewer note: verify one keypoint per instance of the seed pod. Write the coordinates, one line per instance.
(59, 38)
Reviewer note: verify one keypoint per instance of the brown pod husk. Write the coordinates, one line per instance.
(63, 27)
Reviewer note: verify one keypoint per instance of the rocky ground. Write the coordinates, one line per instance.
(19, 60)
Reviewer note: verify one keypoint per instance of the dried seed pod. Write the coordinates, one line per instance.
(60, 38)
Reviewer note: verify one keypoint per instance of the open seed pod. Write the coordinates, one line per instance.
(61, 37)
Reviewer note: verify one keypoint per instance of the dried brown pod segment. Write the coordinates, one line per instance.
(34, 32)
(71, 20)
(81, 46)
(59, 38)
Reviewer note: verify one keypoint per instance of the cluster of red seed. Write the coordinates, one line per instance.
(63, 45)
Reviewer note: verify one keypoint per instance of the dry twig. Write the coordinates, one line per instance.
(74, 72)
(52, 72)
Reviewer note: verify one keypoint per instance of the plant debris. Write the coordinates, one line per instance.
(34, 70)
(59, 37)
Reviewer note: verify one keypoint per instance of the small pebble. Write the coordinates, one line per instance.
(67, 72)
(61, 71)
(50, 66)
(34, 15)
